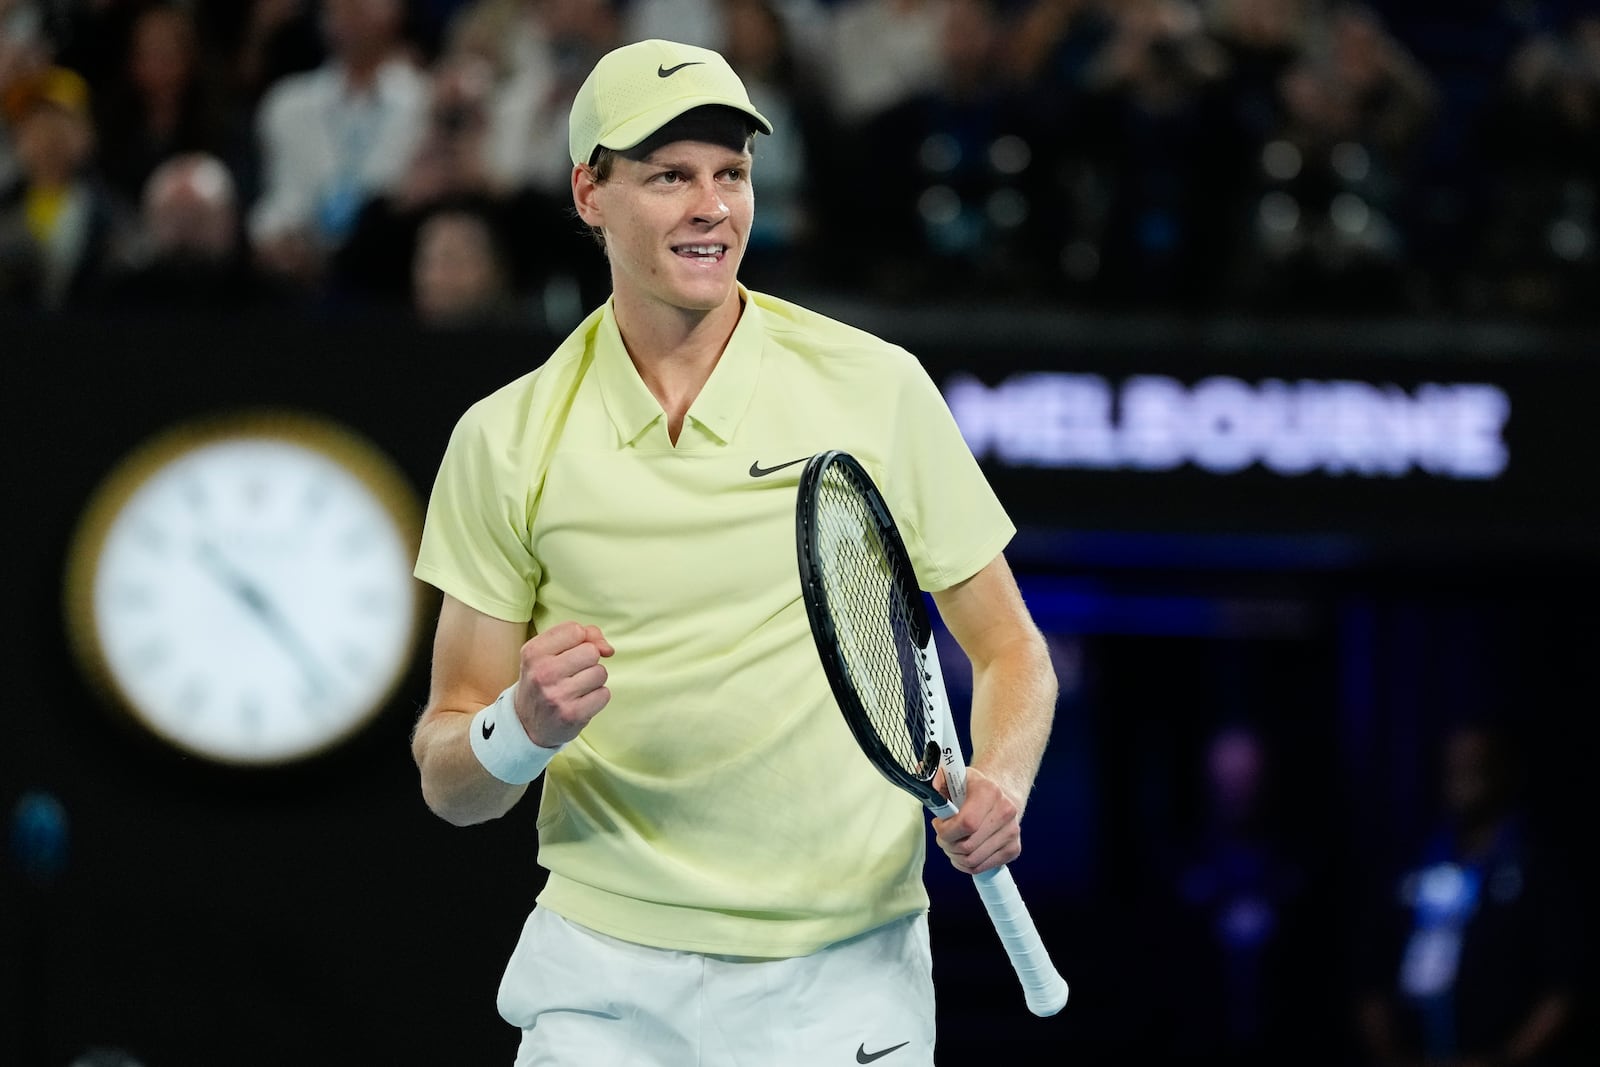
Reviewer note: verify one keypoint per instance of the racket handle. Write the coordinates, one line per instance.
(1042, 984)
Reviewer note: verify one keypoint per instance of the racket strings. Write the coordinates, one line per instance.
(873, 624)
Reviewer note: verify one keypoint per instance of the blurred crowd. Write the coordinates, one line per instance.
(1468, 950)
(1252, 156)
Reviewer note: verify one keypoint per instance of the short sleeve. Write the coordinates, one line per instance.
(476, 536)
(952, 522)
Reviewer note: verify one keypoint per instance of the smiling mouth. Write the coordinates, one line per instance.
(701, 253)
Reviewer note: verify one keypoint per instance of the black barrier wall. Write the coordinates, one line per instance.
(1419, 536)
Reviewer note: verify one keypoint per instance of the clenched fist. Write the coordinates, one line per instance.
(563, 683)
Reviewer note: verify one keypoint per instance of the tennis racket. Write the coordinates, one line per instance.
(876, 642)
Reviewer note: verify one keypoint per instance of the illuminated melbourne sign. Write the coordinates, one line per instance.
(1221, 424)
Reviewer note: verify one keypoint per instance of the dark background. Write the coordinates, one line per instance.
(322, 915)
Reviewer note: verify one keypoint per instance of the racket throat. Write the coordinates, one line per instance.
(931, 759)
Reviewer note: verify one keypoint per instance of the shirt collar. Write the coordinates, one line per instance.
(723, 400)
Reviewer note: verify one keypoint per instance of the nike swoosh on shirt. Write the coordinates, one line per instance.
(667, 72)
(758, 471)
(863, 1056)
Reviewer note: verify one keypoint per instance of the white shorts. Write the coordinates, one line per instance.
(583, 999)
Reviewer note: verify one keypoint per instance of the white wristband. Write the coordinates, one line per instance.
(503, 746)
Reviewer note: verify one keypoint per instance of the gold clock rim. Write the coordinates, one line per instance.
(353, 451)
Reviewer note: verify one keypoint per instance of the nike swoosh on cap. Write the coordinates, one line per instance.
(863, 1056)
(667, 72)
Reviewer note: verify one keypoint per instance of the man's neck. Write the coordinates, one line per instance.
(675, 351)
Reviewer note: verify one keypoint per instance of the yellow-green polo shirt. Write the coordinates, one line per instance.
(718, 803)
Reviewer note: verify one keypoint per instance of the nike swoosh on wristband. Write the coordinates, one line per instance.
(667, 72)
(863, 1056)
(488, 728)
(758, 471)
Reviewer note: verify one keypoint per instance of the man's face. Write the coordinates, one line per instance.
(675, 223)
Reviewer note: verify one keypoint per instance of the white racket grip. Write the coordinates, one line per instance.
(1042, 985)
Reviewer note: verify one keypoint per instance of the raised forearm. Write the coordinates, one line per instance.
(1013, 706)
(454, 784)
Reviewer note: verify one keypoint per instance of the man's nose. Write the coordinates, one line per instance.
(710, 205)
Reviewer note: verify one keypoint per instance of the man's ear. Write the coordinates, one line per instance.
(584, 188)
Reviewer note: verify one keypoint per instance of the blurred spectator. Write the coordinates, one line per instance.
(450, 161)
(1262, 39)
(189, 254)
(460, 274)
(1169, 158)
(261, 42)
(160, 102)
(699, 22)
(23, 52)
(191, 209)
(1465, 46)
(880, 53)
(541, 51)
(1052, 44)
(428, 23)
(759, 47)
(1329, 222)
(1176, 155)
(1391, 98)
(1474, 954)
(57, 222)
(1243, 921)
(490, 29)
(1542, 161)
(954, 207)
(1047, 58)
(540, 243)
(332, 137)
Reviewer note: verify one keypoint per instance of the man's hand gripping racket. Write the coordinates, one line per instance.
(876, 643)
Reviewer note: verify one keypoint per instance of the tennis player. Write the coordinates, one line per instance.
(730, 881)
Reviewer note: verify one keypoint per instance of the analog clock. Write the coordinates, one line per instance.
(242, 586)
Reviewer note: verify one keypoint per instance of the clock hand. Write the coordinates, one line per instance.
(251, 596)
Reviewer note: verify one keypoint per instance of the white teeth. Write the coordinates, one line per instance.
(702, 250)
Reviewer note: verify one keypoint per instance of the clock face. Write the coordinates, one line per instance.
(246, 590)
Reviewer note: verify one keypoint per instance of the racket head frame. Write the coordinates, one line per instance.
(813, 588)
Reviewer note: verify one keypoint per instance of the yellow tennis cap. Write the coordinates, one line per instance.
(635, 90)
